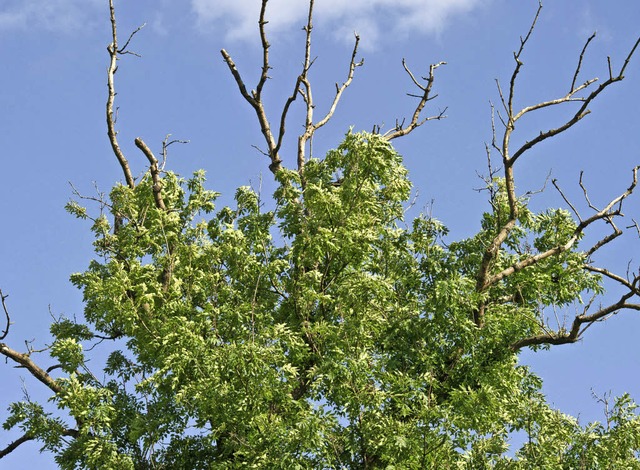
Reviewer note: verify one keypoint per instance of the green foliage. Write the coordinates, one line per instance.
(325, 333)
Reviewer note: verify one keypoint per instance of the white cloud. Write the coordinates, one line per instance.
(373, 19)
(51, 15)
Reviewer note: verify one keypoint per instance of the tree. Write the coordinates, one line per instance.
(322, 330)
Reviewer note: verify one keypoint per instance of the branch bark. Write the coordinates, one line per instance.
(302, 86)
(155, 173)
(485, 278)
(399, 130)
(25, 361)
(111, 117)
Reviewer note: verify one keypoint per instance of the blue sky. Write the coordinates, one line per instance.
(52, 128)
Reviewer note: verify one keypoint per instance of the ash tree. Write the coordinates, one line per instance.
(330, 332)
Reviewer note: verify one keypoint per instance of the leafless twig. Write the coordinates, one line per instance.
(399, 130)
(302, 87)
(484, 277)
(111, 71)
(166, 143)
(5, 332)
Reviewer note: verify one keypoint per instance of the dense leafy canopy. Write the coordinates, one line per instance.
(325, 332)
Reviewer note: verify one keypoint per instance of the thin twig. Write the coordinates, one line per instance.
(425, 97)
(577, 72)
(3, 297)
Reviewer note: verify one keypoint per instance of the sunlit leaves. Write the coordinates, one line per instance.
(324, 333)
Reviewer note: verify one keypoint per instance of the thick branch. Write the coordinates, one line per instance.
(111, 118)
(255, 97)
(580, 324)
(155, 173)
(607, 213)
(256, 103)
(25, 361)
(484, 279)
(580, 113)
(15, 444)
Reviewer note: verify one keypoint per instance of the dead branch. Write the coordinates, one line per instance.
(579, 114)
(399, 130)
(310, 127)
(585, 320)
(166, 143)
(114, 51)
(484, 277)
(580, 324)
(577, 72)
(566, 199)
(255, 97)
(631, 285)
(24, 360)
(611, 210)
(519, 63)
(155, 173)
(15, 444)
(5, 332)
(302, 87)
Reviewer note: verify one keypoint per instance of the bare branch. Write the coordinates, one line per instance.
(111, 71)
(5, 332)
(632, 286)
(25, 361)
(255, 101)
(575, 211)
(310, 127)
(606, 213)
(399, 130)
(264, 76)
(166, 143)
(28, 437)
(302, 87)
(628, 58)
(577, 72)
(484, 278)
(155, 173)
(123, 49)
(15, 444)
(516, 56)
(579, 326)
(579, 114)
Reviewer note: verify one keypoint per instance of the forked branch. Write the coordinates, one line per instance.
(155, 173)
(254, 98)
(399, 130)
(302, 87)
(583, 321)
(580, 323)
(310, 126)
(114, 51)
(611, 210)
(24, 360)
(21, 358)
(484, 276)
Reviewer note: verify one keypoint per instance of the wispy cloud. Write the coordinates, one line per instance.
(50, 15)
(373, 19)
